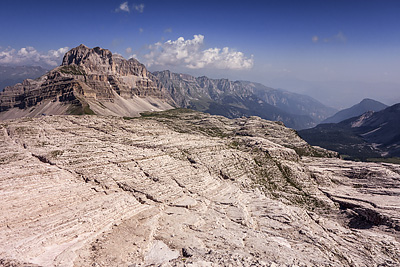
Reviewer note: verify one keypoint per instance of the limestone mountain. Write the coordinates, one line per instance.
(88, 81)
(356, 110)
(373, 134)
(234, 99)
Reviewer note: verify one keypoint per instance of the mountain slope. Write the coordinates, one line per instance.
(241, 98)
(88, 81)
(373, 134)
(291, 102)
(356, 110)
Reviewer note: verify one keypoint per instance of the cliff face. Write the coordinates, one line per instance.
(183, 188)
(88, 80)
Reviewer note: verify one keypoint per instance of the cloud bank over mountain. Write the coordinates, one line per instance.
(192, 55)
(30, 56)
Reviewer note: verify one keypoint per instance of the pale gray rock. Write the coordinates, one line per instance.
(107, 191)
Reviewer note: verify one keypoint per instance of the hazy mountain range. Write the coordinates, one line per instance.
(373, 134)
(356, 110)
(10, 75)
(234, 99)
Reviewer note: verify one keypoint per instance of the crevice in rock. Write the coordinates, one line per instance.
(362, 217)
(43, 159)
(135, 192)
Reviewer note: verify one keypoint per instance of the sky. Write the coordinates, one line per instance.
(337, 51)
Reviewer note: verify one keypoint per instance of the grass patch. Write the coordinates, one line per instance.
(128, 118)
(56, 153)
(172, 113)
(394, 160)
(87, 110)
(80, 109)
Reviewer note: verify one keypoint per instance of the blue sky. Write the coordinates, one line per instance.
(338, 51)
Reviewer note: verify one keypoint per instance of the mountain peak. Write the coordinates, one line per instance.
(82, 46)
(82, 54)
(369, 101)
(365, 105)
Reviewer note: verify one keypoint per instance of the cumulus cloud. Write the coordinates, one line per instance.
(128, 50)
(139, 8)
(123, 7)
(30, 56)
(190, 54)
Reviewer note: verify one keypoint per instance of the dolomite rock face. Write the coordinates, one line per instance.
(88, 81)
(182, 188)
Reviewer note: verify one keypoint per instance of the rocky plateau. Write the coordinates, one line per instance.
(183, 188)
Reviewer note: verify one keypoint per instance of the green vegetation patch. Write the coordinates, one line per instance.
(394, 160)
(80, 109)
(56, 153)
(171, 113)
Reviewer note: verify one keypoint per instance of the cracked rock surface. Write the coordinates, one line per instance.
(182, 188)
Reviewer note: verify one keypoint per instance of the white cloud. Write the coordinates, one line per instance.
(141, 30)
(168, 30)
(6, 56)
(30, 56)
(315, 39)
(123, 7)
(339, 37)
(128, 50)
(139, 8)
(189, 53)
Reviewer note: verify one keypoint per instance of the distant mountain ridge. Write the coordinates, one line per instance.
(356, 110)
(292, 102)
(10, 75)
(373, 134)
(234, 99)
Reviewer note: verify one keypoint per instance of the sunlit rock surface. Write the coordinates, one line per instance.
(182, 188)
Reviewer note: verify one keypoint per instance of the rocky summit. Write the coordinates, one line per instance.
(182, 188)
(89, 81)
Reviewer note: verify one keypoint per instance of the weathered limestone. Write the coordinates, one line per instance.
(183, 188)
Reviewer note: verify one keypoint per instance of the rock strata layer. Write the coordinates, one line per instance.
(182, 188)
